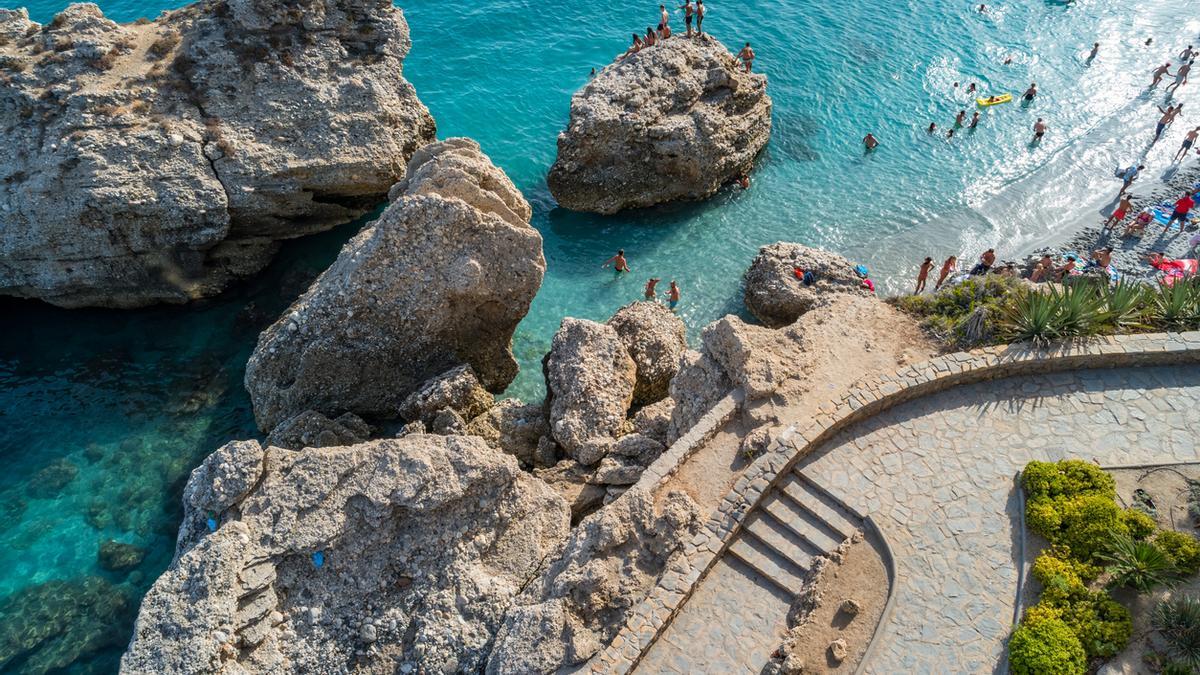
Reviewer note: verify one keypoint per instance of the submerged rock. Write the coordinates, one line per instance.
(117, 556)
(440, 280)
(777, 297)
(48, 627)
(655, 339)
(156, 162)
(675, 121)
(413, 547)
(50, 480)
(589, 381)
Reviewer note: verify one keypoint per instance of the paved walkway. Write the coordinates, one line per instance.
(937, 476)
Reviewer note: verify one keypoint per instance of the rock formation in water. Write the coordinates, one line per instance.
(440, 280)
(391, 556)
(777, 296)
(674, 121)
(589, 388)
(157, 161)
(655, 339)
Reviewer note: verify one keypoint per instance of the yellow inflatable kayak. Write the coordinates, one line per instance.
(993, 100)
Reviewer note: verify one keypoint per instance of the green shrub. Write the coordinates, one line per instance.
(1139, 565)
(1178, 622)
(1056, 562)
(1183, 550)
(962, 314)
(1125, 305)
(1066, 478)
(1177, 668)
(1045, 645)
(1139, 525)
(1177, 306)
(1102, 625)
(1088, 523)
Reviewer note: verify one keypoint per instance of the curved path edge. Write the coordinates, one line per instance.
(869, 397)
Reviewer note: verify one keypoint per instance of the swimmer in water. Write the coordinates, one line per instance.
(958, 119)
(974, 120)
(618, 262)
(1188, 142)
(743, 182)
(1039, 130)
(1181, 76)
(650, 293)
(1031, 92)
(1159, 72)
(971, 88)
(673, 296)
(950, 133)
(871, 142)
(1094, 52)
(932, 128)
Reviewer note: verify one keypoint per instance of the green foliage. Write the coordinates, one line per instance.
(1031, 316)
(1068, 477)
(1183, 550)
(1176, 307)
(1177, 668)
(1125, 305)
(1102, 625)
(1139, 565)
(1056, 567)
(1045, 645)
(1138, 524)
(1085, 522)
(962, 314)
(1178, 622)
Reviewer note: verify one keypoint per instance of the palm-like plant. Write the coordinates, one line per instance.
(1177, 620)
(1139, 565)
(1080, 308)
(1176, 306)
(1124, 305)
(1031, 315)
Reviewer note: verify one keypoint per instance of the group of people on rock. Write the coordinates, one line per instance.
(692, 11)
(621, 266)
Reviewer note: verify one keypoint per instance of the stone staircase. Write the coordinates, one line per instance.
(795, 523)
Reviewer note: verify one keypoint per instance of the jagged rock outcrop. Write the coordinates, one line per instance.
(777, 297)
(440, 280)
(589, 383)
(674, 121)
(612, 560)
(156, 162)
(313, 430)
(515, 428)
(655, 339)
(383, 557)
(457, 389)
(700, 383)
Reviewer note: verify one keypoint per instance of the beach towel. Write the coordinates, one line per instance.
(1163, 212)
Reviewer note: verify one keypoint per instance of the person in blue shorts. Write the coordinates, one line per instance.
(673, 296)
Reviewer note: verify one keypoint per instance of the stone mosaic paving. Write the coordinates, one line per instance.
(937, 475)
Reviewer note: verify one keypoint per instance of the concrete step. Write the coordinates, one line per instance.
(780, 537)
(805, 491)
(763, 559)
(803, 522)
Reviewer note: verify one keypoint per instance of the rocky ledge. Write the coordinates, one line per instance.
(158, 161)
(440, 280)
(672, 122)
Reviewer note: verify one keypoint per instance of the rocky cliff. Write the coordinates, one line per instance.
(440, 280)
(157, 161)
(385, 557)
(674, 121)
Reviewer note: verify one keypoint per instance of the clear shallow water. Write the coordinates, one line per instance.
(132, 400)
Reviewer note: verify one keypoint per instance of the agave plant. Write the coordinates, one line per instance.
(1177, 620)
(1139, 565)
(1080, 308)
(1031, 315)
(1176, 306)
(1124, 305)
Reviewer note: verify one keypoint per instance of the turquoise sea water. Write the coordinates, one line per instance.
(102, 414)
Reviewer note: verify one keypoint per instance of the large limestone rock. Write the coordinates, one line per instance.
(612, 560)
(655, 339)
(148, 163)
(777, 297)
(377, 558)
(440, 280)
(313, 430)
(675, 121)
(589, 381)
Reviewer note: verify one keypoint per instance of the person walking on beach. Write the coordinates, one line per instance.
(1039, 130)
(650, 292)
(618, 262)
(1168, 116)
(673, 296)
(1182, 207)
(1181, 76)
(700, 12)
(870, 141)
(689, 11)
(985, 262)
(1188, 142)
(1119, 213)
(947, 268)
(923, 274)
(1159, 72)
(1031, 92)
(974, 120)
(747, 57)
(1129, 175)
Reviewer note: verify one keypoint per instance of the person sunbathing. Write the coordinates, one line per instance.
(1138, 225)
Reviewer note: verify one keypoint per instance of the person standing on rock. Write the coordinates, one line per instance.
(618, 262)
(947, 269)
(689, 11)
(663, 21)
(747, 57)
(923, 274)
(650, 292)
(1188, 142)
(673, 296)
(985, 262)
(700, 12)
